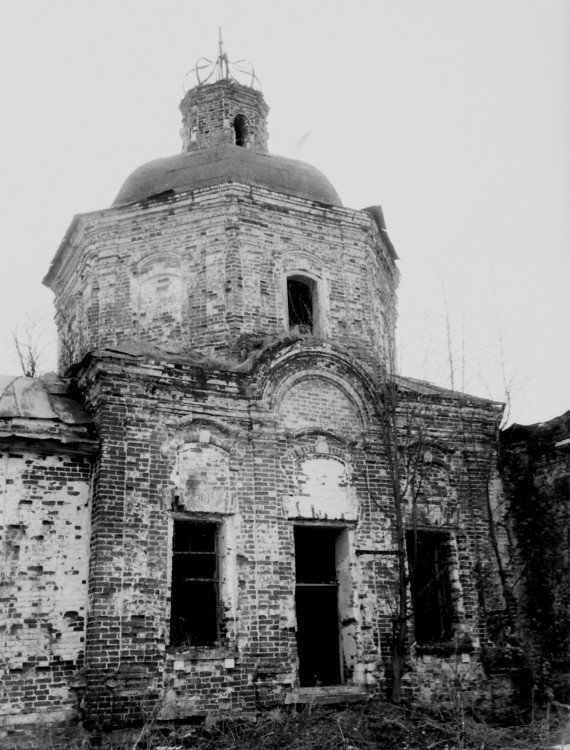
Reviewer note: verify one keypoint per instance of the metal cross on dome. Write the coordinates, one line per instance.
(222, 68)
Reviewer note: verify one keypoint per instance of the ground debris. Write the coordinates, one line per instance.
(375, 725)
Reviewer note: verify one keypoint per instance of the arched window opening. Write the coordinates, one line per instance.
(301, 303)
(241, 130)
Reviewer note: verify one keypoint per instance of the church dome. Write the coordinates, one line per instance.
(208, 167)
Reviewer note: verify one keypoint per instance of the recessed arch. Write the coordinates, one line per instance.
(301, 260)
(320, 402)
(194, 429)
(296, 362)
(158, 262)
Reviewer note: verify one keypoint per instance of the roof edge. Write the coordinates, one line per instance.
(430, 388)
(378, 215)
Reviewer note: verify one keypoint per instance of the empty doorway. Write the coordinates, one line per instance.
(316, 603)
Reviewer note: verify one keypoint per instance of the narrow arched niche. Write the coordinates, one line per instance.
(241, 130)
(302, 309)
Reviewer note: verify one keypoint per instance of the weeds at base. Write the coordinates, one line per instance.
(371, 726)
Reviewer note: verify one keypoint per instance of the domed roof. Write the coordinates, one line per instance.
(212, 166)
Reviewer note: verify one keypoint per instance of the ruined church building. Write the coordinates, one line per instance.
(198, 513)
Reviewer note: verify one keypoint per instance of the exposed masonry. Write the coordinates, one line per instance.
(209, 117)
(261, 442)
(46, 449)
(45, 534)
(207, 272)
(214, 445)
(535, 466)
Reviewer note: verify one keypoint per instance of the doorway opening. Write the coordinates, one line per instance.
(317, 607)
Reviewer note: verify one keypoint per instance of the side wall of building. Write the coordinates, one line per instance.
(447, 457)
(44, 543)
(535, 468)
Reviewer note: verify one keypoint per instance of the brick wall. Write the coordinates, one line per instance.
(535, 468)
(208, 114)
(45, 530)
(173, 315)
(181, 441)
(206, 273)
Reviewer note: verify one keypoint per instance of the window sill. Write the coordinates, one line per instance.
(445, 648)
(201, 653)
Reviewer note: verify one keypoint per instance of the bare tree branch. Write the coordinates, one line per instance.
(28, 340)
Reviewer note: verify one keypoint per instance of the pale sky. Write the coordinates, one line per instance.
(454, 115)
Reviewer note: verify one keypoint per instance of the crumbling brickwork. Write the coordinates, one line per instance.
(222, 446)
(208, 274)
(535, 466)
(44, 543)
(230, 334)
(209, 117)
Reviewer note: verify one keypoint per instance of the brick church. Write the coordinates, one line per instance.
(208, 511)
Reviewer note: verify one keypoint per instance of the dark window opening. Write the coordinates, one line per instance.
(316, 604)
(194, 611)
(300, 293)
(429, 564)
(241, 130)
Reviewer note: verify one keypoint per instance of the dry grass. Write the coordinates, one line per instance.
(374, 726)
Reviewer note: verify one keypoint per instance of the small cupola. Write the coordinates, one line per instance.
(221, 109)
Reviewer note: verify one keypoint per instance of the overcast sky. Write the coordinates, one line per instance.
(454, 115)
